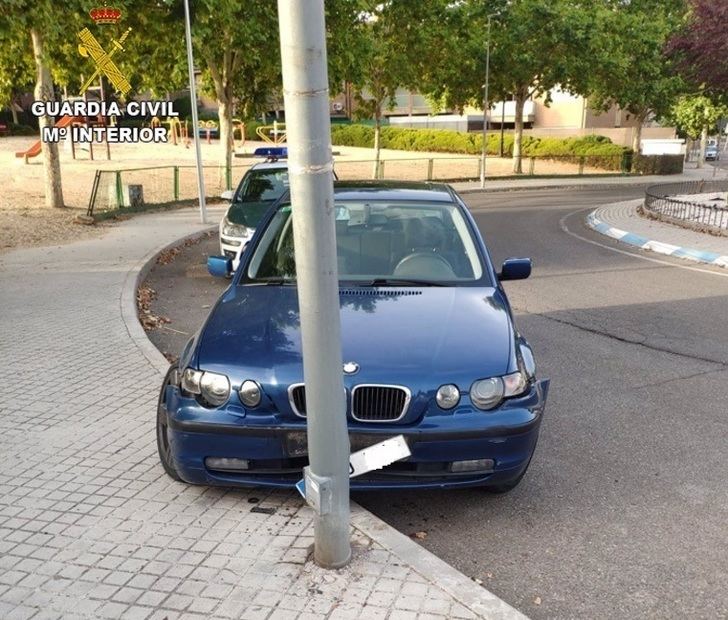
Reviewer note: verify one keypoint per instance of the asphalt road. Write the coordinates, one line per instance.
(624, 512)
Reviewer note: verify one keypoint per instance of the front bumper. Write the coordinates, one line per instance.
(233, 247)
(276, 452)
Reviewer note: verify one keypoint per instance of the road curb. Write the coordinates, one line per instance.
(128, 301)
(574, 186)
(654, 245)
(468, 593)
(477, 599)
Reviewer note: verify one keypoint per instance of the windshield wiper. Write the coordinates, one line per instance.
(401, 282)
(276, 280)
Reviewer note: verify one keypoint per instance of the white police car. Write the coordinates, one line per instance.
(261, 186)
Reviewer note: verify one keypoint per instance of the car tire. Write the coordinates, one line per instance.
(163, 447)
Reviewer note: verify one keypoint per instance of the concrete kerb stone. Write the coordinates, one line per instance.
(654, 245)
(477, 599)
(130, 309)
(519, 186)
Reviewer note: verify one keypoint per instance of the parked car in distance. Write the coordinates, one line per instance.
(430, 346)
(711, 153)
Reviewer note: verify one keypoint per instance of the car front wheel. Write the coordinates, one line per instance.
(165, 453)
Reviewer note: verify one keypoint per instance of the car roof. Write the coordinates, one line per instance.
(270, 165)
(392, 190)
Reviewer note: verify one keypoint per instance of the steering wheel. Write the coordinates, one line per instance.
(424, 264)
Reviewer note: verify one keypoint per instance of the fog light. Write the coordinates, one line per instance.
(250, 393)
(226, 464)
(474, 465)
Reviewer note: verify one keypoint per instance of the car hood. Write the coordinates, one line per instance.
(446, 334)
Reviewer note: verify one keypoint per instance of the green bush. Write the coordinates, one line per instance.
(21, 130)
(596, 151)
(353, 135)
(183, 107)
(657, 164)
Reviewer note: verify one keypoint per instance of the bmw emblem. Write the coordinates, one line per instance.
(351, 368)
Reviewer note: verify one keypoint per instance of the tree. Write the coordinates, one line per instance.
(536, 45)
(17, 74)
(540, 45)
(36, 31)
(632, 70)
(697, 115)
(37, 27)
(700, 47)
(390, 39)
(236, 44)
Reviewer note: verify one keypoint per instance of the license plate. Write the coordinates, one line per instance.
(296, 443)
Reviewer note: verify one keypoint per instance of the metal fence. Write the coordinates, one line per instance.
(113, 190)
(131, 188)
(701, 205)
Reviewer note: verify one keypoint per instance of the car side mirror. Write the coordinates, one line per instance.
(515, 269)
(228, 194)
(219, 266)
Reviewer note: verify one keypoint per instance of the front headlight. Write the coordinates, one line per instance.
(233, 230)
(213, 388)
(488, 393)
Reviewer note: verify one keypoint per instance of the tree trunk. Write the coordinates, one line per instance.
(518, 132)
(377, 141)
(44, 91)
(703, 144)
(14, 112)
(637, 136)
(225, 117)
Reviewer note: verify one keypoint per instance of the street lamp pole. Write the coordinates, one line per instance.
(195, 131)
(485, 106)
(310, 168)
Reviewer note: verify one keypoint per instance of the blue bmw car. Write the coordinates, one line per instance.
(430, 347)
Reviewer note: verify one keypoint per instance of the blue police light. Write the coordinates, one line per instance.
(277, 152)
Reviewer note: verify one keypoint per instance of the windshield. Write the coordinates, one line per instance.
(380, 243)
(265, 185)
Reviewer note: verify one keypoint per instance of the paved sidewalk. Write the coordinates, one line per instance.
(91, 527)
(622, 221)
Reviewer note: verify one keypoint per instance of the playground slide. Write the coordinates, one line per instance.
(34, 150)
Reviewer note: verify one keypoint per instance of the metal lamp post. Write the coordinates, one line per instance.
(310, 168)
(195, 133)
(485, 105)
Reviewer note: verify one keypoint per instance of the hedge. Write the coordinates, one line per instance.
(597, 151)
(657, 164)
(21, 130)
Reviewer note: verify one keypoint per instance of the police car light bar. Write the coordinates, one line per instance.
(278, 152)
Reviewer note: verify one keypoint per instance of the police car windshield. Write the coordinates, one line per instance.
(265, 185)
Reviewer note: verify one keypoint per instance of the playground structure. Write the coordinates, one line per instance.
(69, 121)
(273, 134)
(177, 131)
